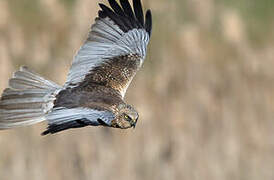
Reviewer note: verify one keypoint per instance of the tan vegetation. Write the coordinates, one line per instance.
(205, 95)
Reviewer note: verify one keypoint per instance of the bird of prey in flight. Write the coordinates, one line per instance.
(100, 74)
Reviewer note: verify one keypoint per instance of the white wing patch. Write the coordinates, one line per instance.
(105, 41)
(63, 115)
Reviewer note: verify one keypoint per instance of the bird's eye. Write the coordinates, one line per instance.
(127, 117)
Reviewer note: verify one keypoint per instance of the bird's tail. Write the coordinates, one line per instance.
(27, 100)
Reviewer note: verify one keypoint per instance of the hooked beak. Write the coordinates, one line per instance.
(133, 123)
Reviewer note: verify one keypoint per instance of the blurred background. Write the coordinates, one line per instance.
(205, 95)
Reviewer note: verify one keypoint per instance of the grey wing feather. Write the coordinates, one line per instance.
(61, 119)
(63, 115)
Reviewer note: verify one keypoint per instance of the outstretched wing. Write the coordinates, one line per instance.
(115, 48)
(61, 119)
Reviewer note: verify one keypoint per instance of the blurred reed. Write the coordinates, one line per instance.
(205, 94)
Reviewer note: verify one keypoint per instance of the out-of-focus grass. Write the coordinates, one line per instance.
(258, 16)
(69, 3)
(205, 94)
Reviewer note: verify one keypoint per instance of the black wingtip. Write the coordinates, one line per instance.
(148, 25)
(107, 12)
(101, 14)
(127, 8)
(138, 10)
(46, 132)
(55, 128)
(124, 16)
(115, 6)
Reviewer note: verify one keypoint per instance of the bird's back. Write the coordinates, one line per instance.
(91, 95)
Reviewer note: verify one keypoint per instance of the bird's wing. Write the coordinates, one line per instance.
(115, 48)
(62, 118)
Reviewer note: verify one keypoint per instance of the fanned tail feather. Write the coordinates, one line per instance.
(27, 100)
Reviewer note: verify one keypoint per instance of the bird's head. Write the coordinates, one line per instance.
(127, 117)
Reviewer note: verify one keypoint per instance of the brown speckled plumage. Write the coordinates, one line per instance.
(115, 73)
(91, 96)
